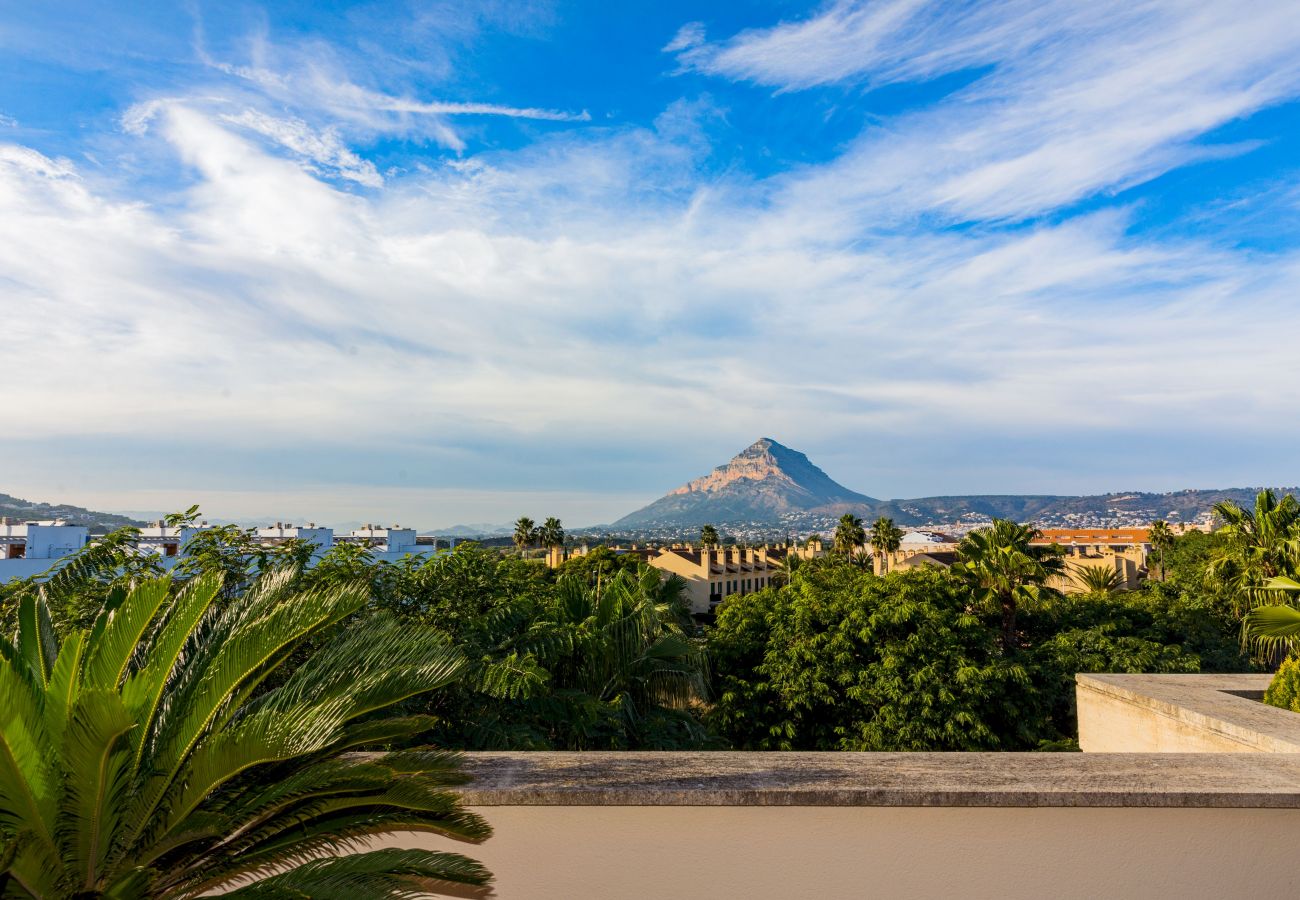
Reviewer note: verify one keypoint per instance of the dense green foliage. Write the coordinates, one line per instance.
(155, 755)
(600, 653)
(840, 659)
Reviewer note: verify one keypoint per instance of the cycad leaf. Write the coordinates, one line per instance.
(64, 685)
(95, 760)
(378, 874)
(26, 783)
(36, 641)
(144, 690)
(122, 632)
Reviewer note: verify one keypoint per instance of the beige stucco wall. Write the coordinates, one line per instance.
(621, 853)
(1181, 714)
(1111, 725)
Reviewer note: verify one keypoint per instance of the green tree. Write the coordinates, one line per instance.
(849, 535)
(551, 533)
(598, 564)
(525, 535)
(886, 538)
(813, 540)
(1162, 541)
(147, 756)
(709, 536)
(609, 664)
(842, 660)
(1005, 570)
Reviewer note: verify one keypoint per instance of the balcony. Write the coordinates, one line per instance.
(1153, 815)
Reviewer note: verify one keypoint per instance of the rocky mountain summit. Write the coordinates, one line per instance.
(769, 485)
(763, 482)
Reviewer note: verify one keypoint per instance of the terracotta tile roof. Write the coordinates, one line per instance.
(1095, 536)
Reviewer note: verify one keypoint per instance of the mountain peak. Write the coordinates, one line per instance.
(760, 484)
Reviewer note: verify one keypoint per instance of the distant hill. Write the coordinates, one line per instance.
(769, 484)
(29, 510)
(1134, 507)
(764, 482)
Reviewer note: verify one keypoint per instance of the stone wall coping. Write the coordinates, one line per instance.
(625, 778)
(1226, 705)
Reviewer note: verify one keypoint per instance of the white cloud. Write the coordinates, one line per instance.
(324, 148)
(312, 80)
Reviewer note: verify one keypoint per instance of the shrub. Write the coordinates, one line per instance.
(1284, 689)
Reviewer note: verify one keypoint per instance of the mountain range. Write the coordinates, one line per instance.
(770, 484)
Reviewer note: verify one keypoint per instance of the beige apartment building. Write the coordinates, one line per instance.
(1120, 550)
(711, 575)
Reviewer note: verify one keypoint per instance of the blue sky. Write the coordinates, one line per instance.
(459, 261)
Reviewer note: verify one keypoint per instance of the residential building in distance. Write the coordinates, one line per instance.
(711, 575)
(49, 539)
(918, 548)
(30, 548)
(1123, 551)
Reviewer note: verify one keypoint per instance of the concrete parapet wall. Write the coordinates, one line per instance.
(892, 825)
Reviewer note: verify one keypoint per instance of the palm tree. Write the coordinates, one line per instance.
(525, 533)
(886, 538)
(167, 753)
(849, 534)
(1162, 539)
(552, 533)
(709, 536)
(1098, 579)
(1261, 545)
(628, 647)
(1006, 570)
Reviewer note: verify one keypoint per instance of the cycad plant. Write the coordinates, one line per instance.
(167, 753)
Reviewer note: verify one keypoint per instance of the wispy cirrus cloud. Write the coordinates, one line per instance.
(1065, 100)
(314, 81)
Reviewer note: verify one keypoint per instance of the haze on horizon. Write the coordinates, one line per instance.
(457, 262)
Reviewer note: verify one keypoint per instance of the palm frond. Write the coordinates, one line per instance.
(1272, 627)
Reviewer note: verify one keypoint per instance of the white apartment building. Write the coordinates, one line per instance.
(30, 548)
(48, 539)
